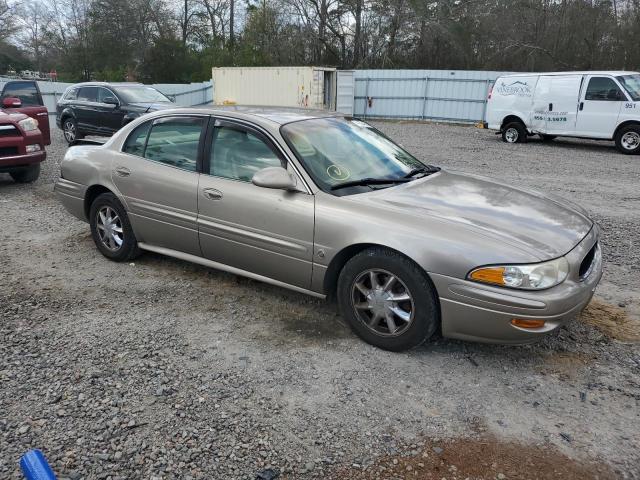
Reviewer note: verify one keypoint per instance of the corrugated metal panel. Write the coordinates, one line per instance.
(345, 92)
(282, 86)
(446, 95)
(188, 94)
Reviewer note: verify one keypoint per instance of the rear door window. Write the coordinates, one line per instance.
(603, 88)
(88, 94)
(137, 140)
(175, 141)
(104, 93)
(27, 92)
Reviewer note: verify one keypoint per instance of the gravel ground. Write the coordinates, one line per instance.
(164, 369)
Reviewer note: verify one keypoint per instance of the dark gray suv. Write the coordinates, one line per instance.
(99, 108)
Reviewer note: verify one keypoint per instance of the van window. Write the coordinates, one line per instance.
(603, 88)
(631, 83)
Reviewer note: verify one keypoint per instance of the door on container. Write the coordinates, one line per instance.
(559, 102)
(345, 92)
(599, 107)
(260, 230)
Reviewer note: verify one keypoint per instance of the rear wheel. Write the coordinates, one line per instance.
(70, 130)
(514, 132)
(628, 139)
(26, 174)
(388, 300)
(111, 230)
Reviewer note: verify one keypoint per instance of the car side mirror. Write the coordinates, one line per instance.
(274, 177)
(110, 101)
(11, 102)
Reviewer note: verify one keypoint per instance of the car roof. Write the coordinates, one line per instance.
(274, 115)
(597, 72)
(109, 84)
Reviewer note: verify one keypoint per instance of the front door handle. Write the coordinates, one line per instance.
(212, 194)
(122, 171)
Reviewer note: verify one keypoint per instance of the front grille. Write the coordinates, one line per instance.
(9, 131)
(587, 262)
(8, 151)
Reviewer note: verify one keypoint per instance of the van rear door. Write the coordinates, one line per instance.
(29, 94)
(599, 108)
(555, 105)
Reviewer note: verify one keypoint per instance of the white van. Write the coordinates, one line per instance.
(596, 105)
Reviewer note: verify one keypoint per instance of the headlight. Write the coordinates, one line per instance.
(527, 277)
(28, 124)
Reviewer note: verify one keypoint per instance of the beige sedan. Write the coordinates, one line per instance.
(329, 206)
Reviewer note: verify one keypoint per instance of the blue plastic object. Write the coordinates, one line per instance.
(35, 467)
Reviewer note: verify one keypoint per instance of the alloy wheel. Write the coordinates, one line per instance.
(382, 302)
(109, 228)
(69, 131)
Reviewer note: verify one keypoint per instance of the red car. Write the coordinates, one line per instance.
(24, 130)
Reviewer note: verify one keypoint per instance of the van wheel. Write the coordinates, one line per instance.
(547, 138)
(26, 174)
(628, 139)
(514, 132)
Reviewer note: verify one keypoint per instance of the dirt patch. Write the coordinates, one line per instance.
(485, 458)
(564, 364)
(612, 321)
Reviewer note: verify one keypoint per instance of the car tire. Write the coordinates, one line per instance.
(26, 174)
(514, 132)
(628, 139)
(410, 300)
(547, 138)
(70, 130)
(111, 229)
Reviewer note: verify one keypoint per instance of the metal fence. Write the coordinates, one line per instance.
(185, 94)
(442, 95)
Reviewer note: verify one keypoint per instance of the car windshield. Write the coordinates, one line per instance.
(141, 94)
(631, 84)
(337, 151)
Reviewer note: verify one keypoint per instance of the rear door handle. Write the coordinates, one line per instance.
(212, 194)
(551, 107)
(122, 171)
(581, 105)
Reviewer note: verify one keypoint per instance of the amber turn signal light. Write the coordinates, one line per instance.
(522, 323)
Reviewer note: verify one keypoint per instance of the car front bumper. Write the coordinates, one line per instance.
(483, 313)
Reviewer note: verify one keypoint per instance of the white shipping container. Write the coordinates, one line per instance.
(306, 87)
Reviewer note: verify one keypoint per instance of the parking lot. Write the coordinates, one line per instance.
(165, 369)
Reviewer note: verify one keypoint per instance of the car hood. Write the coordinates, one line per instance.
(542, 226)
(152, 107)
(11, 117)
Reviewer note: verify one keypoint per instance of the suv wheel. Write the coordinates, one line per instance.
(388, 300)
(514, 132)
(628, 139)
(70, 130)
(26, 174)
(111, 230)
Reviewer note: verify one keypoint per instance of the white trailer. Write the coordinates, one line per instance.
(596, 105)
(306, 87)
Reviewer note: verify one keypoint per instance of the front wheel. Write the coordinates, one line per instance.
(628, 139)
(388, 300)
(514, 132)
(111, 230)
(26, 174)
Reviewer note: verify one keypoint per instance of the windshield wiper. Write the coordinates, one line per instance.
(369, 181)
(427, 170)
